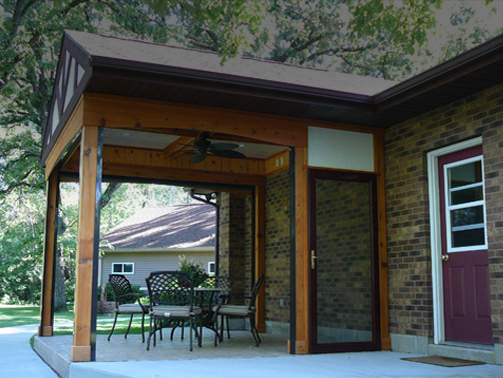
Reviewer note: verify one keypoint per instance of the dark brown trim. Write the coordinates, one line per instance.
(231, 80)
(493, 48)
(82, 58)
(375, 343)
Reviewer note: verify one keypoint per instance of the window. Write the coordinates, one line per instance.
(211, 268)
(465, 205)
(123, 268)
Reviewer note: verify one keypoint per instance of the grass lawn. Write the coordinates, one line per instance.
(16, 315)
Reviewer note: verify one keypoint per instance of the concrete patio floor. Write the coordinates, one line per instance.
(363, 364)
(19, 360)
(132, 349)
(239, 358)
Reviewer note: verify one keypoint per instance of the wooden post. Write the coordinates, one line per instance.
(47, 301)
(90, 180)
(382, 246)
(302, 252)
(260, 253)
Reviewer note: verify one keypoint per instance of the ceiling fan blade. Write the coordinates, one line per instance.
(229, 154)
(197, 158)
(223, 146)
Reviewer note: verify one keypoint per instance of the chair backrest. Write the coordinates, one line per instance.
(121, 289)
(223, 282)
(254, 291)
(170, 288)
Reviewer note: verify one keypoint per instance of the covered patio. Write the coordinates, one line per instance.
(125, 111)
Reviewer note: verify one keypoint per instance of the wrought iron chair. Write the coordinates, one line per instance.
(223, 298)
(125, 299)
(242, 311)
(172, 300)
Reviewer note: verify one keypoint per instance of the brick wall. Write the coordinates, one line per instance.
(277, 247)
(236, 242)
(344, 250)
(406, 144)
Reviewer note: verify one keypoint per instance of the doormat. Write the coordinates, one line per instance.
(443, 361)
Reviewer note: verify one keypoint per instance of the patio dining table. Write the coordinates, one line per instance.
(206, 300)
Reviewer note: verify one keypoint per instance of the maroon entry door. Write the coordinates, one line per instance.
(467, 312)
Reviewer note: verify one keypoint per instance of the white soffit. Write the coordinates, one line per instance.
(254, 150)
(331, 148)
(138, 139)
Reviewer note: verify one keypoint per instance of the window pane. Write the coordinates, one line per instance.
(468, 238)
(466, 195)
(465, 174)
(117, 268)
(467, 216)
(128, 268)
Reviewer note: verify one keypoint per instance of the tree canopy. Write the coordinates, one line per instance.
(381, 38)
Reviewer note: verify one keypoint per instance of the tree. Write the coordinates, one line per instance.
(381, 38)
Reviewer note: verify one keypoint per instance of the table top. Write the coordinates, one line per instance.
(209, 289)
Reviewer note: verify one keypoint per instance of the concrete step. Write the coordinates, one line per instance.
(463, 352)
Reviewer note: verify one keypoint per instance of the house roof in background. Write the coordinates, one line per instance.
(172, 227)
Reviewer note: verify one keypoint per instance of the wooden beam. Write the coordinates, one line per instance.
(153, 164)
(50, 244)
(302, 253)
(137, 157)
(382, 237)
(178, 145)
(81, 348)
(185, 175)
(260, 253)
(157, 116)
(72, 127)
(277, 162)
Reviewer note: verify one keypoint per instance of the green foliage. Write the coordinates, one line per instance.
(194, 270)
(136, 291)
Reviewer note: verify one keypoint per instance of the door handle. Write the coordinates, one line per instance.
(313, 259)
(445, 258)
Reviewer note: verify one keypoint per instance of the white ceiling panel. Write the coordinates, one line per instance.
(139, 139)
(255, 150)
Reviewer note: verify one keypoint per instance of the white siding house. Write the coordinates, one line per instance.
(155, 239)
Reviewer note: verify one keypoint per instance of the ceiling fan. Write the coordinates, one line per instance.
(202, 147)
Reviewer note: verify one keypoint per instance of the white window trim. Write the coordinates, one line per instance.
(209, 270)
(122, 263)
(449, 208)
(435, 233)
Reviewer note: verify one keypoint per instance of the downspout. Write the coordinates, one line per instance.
(207, 199)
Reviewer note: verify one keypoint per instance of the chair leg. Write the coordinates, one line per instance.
(221, 336)
(200, 333)
(156, 321)
(113, 327)
(143, 328)
(150, 333)
(216, 331)
(129, 326)
(183, 329)
(254, 330)
(228, 328)
(190, 331)
(172, 332)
